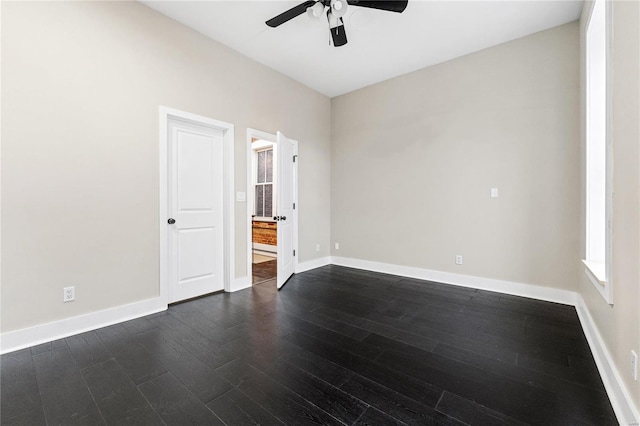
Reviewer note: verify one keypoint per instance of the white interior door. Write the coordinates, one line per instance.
(286, 199)
(195, 222)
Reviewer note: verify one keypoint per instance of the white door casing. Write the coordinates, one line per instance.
(196, 252)
(286, 208)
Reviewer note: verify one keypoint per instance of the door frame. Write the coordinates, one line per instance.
(165, 114)
(271, 137)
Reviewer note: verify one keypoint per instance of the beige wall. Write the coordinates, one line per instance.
(413, 160)
(81, 86)
(619, 325)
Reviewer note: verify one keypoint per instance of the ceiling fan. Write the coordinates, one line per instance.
(335, 11)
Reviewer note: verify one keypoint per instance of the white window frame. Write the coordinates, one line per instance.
(255, 182)
(599, 271)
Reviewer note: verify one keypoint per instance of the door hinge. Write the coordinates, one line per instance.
(294, 158)
(294, 206)
(294, 252)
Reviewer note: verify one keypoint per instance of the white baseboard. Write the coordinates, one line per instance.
(508, 287)
(43, 333)
(312, 264)
(266, 253)
(240, 284)
(619, 396)
(265, 247)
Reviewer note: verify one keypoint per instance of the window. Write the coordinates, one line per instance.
(597, 157)
(263, 185)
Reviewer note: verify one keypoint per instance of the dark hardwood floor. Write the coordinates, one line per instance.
(336, 346)
(264, 271)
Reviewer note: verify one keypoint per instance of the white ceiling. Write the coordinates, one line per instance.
(381, 44)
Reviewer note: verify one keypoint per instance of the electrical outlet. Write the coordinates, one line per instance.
(458, 259)
(337, 246)
(68, 294)
(634, 365)
(317, 247)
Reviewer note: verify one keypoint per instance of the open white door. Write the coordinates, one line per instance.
(195, 209)
(286, 199)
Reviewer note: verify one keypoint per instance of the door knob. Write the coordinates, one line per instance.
(276, 218)
(283, 218)
(171, 221)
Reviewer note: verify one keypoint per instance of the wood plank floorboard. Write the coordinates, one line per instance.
(336, 346)
(264, 271)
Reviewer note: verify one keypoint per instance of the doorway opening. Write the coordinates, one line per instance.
(264, 227)
(272, 212)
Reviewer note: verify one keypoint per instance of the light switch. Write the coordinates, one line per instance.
(241, 196)
(494, 192)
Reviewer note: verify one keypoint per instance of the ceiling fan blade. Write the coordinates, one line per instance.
(388, 5)
(338, 35)
(290, 14)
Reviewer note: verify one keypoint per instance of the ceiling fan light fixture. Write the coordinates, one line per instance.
(316, 10)
(338, 7)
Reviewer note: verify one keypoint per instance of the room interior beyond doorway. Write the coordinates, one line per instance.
(263, 226)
